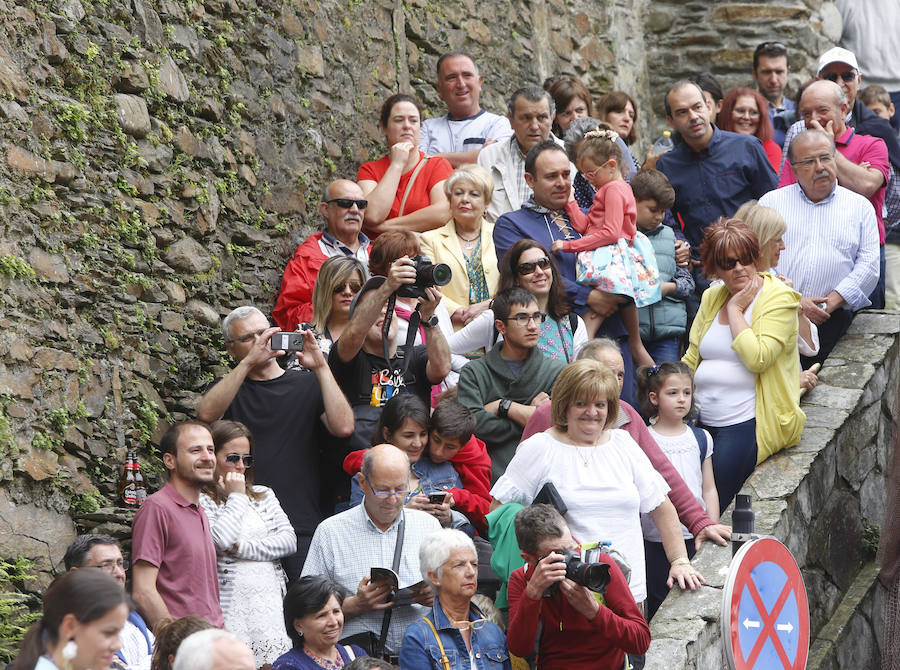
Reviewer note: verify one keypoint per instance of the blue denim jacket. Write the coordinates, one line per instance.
(420, 649)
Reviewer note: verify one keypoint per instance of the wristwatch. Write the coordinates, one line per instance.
(431, 323)
(503, 409)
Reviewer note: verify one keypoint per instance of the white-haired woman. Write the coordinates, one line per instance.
(455, 628)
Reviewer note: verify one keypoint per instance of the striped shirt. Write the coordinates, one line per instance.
(831, 245)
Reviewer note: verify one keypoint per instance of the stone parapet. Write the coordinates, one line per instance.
(822, 498)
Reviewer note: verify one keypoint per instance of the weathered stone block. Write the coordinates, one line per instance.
(189, 255)
(131, 111)
(34, 532)
(173, 83)
(51, 267)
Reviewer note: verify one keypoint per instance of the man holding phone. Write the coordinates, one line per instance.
(286, 410)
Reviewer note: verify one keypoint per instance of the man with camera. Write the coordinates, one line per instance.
(564, 622)
(366, 360)
(286, 411)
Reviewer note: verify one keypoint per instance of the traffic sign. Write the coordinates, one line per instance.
(765, 613)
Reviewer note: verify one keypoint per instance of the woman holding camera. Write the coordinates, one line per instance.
(251, 533)
(601, 474)
(455, 635)
(529, 265)
(466, 244)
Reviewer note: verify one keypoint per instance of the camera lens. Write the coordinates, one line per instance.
(441, 274)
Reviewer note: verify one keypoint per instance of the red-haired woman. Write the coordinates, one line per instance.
(745, 111)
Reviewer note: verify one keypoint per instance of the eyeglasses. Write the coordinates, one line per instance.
(848, 76)
(744, 111)
(523, 319)
(249, 337)
(806, 163)
(233, 459)
(387, 494)
(731, 262)
(476, 624)
(353, 285)
(347, 203)
(111, 565)
(525, 269)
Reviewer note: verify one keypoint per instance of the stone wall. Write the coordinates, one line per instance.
(824, 498)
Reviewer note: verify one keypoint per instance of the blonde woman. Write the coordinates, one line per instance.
(340, 279)
(466, 244)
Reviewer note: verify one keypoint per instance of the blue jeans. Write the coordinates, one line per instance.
(664, 350)
(733, 458)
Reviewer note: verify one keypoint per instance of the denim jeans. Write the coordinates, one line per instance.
(733, 458)
(664, 350)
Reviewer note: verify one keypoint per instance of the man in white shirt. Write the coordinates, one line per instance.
(831, 253)
(466, 129)
(348, 545)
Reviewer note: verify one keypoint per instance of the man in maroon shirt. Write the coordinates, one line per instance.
(173, 553)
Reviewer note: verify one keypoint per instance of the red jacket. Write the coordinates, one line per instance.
(294, 304)
(472, 464)
(568, 639)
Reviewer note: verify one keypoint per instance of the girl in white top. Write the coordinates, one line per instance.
(666, 397)
(602, 475)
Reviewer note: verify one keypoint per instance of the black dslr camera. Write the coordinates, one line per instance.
(427, 274)
(591, 574)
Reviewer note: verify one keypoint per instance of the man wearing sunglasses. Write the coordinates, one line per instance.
(289, 413)
(343, 206)
(505, 386)
(831, 243)
(861, 161)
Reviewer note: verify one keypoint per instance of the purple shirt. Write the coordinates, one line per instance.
(857, 149)
(173, 535)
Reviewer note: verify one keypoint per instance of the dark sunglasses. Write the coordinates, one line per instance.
(848, 76)
(347, 203)
(233, 459)
(354, 286)
(731, 262)
(528, 268)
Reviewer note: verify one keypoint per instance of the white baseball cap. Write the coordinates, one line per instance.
(837, 55)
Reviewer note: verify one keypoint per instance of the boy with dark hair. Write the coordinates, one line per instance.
(663, 323)
(877, 99)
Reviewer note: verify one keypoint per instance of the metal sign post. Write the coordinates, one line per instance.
(765, 613)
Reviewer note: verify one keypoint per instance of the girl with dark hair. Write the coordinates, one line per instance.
(530, 266)
(404, 423)
(251, 533)
(666, 396)
(405, 189)
(83, 613)
(314, 621)
(170, 634)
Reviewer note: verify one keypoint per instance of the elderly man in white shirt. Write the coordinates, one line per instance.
(346, 546)
(831, 243)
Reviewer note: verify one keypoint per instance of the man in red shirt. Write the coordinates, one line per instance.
(342, 207)
(579, 628)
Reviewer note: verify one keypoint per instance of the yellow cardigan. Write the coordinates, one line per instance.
(769, 350)
(442, 245)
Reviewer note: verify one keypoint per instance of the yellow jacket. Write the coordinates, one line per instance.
(769, 350)
(442, 245)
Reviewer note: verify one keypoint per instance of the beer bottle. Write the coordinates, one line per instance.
(127, 490)
(140, 486)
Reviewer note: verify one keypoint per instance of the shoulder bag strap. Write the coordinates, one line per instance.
(348, 649)
(395, 566)
(445, 662)
(409, 184)
(700, 436)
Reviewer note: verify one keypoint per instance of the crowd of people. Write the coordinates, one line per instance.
(530, 372)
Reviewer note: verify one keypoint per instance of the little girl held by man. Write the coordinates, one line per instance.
(666, 397)
(613, 256)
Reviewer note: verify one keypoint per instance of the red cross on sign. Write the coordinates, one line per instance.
(765, 613)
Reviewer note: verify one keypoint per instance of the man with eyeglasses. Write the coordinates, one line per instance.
(102, 551)
(348, 545)
(861, 161)
(343, 206)
(770, 72)
(289, 413)
(831, 243)
(505, 386)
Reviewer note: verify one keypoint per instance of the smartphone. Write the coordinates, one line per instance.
(437, 498)
(289, 342)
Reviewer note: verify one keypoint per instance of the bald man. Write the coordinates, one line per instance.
(343, 206)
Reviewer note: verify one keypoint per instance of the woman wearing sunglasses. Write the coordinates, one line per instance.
(339, 280)
(529, 265)
(251, 533)
(743, 351)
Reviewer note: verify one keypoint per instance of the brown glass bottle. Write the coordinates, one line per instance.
(127, 488)
(139, 485)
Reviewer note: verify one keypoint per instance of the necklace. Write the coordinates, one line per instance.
(469, 243)
(584, 457)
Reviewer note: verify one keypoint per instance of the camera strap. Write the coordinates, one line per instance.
(395, 566)
(406, 350)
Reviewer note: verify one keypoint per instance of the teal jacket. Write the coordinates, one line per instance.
(668, 317)
(488, 378)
